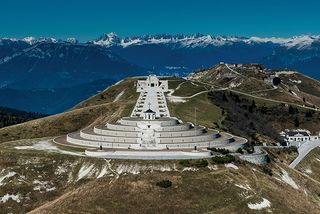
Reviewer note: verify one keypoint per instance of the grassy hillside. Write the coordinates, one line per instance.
(97, 109)
(292, 87)
(220, 193)
(310, 166)
(48, 181)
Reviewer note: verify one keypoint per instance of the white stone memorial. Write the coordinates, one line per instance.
(150, 129)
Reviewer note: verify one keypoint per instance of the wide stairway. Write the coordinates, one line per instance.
(158, 134)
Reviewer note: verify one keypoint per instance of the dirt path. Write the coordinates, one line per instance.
(178, 99)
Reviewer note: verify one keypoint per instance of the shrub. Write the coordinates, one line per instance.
(223, 159)
(239, 150)
(292, 149)
(267, 170)
(164, 184)
(291, 110)
(194, 163)
(222, 151)
(201, 163)
(185, 163)
(249, 148)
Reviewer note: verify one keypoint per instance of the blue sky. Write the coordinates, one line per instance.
(89, 19)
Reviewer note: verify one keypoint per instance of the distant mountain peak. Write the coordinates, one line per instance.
(72, 40)
(108, 39)
(31, 40)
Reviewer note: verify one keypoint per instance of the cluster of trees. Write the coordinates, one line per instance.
(10, 117)
(295, 111)
(245, 117)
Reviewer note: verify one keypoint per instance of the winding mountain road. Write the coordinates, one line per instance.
(303, 150)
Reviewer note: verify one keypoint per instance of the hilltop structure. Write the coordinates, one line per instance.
(296, 137)
(150, 132)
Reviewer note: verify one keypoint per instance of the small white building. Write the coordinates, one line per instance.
(298, 136)
(149, 115)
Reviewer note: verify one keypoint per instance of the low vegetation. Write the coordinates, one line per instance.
(221, 151)
(164, 183)
(267, 170)
(194, 163)
(223, 159)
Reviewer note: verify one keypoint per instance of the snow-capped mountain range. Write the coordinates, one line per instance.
(190, 41)
(200, 40)
(48, 63)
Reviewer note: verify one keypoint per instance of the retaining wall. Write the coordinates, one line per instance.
(116, 132)
(258, 159)
(82, 142)
(108, 138)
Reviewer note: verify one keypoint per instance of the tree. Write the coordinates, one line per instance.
(296, 122)
(309, 114)
(224, 97)
(291, 110)
(223, 112)
(253, 104)
(236, 98)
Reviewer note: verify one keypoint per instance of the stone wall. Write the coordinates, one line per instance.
(108, 138)
(183, 133)
(116, 132)
(258, 159)
(121, 127)
(89, 143)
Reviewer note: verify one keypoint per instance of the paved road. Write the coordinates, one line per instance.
(303, 150)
